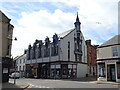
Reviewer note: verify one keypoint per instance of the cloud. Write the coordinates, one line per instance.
(41, 23)
(38, 25)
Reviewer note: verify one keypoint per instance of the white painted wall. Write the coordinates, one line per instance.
(22, 63)
(106, 52)
(64, 48)
(81, 70)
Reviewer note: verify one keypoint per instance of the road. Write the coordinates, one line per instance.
(49, 83)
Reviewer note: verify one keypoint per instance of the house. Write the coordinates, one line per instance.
(108, 60)
(6, 32)
(63, 57)
(20, 65)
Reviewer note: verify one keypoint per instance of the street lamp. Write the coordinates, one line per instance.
(15, 65)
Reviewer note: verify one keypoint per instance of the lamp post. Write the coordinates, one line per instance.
(15, 39)
(15, 74)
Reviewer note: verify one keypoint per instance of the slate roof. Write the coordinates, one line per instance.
(112, 41)
(62, 35)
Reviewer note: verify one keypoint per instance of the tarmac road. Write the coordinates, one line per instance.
(49, 83)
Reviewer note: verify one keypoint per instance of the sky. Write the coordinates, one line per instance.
(36, 19)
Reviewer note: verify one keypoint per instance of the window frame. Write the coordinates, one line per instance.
(114, 51)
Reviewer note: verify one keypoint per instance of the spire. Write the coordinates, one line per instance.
(77, 19)
(77, 23)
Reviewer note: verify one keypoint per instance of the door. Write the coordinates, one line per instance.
(112, 73)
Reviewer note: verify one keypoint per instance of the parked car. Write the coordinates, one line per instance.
(15, 75)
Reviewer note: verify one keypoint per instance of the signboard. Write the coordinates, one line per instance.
(109, 61)
(5, 70)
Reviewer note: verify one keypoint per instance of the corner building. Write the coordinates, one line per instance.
(6, 32)
(64, 57)
(108, 60)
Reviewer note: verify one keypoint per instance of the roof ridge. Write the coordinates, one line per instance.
(63, 34)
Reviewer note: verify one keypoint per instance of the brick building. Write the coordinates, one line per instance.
(91, 57)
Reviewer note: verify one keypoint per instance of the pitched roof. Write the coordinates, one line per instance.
(62, 35)
(20, 57)
(112, 41)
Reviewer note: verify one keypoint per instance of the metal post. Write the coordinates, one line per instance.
(15, 77)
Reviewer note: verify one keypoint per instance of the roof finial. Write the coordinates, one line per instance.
(77, 19)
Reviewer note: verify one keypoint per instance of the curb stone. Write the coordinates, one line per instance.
(26, 87)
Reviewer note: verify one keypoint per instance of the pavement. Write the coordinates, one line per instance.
(91, 79)
(16, 86)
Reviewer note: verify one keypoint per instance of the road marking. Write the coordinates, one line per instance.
(31, 85)
(36, 86)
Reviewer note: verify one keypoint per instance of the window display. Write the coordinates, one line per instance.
(102, 70)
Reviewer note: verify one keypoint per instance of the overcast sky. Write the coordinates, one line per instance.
(36, 19)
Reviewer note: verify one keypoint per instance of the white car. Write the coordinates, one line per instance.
(15, 75)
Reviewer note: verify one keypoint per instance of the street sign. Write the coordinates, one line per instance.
(5, 70)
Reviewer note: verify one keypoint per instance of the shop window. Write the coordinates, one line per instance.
(74, 72)
(102, 70)
(64, 72)
(52, 73)
(114, 51)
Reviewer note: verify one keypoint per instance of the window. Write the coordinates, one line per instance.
(20, 68)
(68, 50)
(24, 61)
(20, 61)
(114, 51)
(102, 71)
(52, 50)
(8, 50)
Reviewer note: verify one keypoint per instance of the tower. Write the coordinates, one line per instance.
(77, 24)
(78, 40)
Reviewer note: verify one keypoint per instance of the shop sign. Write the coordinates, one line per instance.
(111, 61)
(5, 70)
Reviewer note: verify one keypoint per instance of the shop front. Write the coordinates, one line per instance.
(63, 71)
(118, 71)
(45, 70)
(32, 70)
(52, 70)
(109, 70)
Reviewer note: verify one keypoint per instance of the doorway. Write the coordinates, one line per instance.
(111, 74)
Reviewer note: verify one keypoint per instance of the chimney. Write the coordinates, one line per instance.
(88, 42)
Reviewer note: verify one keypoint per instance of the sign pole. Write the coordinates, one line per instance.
(15, 77)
